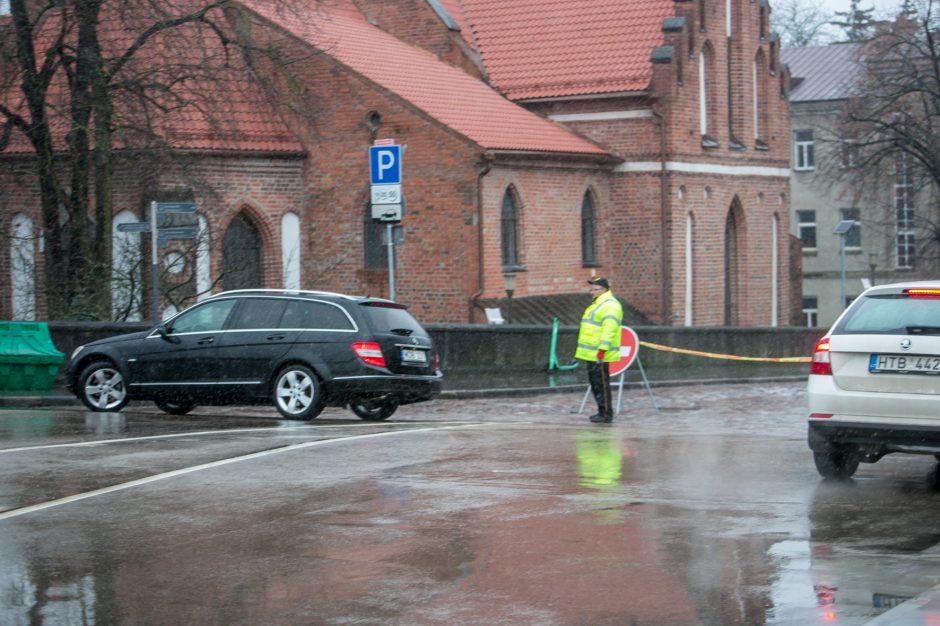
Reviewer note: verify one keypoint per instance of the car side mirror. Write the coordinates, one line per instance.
(164, 333)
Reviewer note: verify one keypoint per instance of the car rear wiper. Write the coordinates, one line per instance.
(923, 330)
(401, 331)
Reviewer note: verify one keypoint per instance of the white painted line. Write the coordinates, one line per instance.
(98, 442)
(196, 468)
(292, 430)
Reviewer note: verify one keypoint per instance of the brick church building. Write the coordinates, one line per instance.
(643, 140)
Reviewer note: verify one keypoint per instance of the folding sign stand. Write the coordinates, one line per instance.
(553, 363)
(629, 352)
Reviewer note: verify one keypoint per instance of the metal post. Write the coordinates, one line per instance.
(842, 271)
(391, 261)
(154, 274)
(842, 228)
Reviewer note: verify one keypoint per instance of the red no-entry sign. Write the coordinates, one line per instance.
(629, 348)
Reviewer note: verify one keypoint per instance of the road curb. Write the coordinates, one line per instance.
(58, 399)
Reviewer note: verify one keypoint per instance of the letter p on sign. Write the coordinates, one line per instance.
(385, 165)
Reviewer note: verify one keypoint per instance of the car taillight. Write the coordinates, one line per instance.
(435, 361)
(369, 352)
(922, 293)
(820, 364)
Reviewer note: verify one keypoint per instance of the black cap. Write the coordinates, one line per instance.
(601, 282)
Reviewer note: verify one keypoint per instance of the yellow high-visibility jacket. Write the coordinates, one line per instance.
(600, 329)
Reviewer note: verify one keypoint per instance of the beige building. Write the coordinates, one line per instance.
(826, 189)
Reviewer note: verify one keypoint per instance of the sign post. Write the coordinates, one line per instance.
(387, 201)
(159, 237)
(629, 351)
(154, 274)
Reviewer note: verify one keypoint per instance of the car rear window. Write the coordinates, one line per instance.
(315, 316)
(891, 314)
(387, 319)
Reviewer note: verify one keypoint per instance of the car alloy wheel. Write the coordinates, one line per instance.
(297, 393)
(102, 387)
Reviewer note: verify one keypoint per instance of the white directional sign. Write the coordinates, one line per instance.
(134, 227)
(386, 194)
(387, 212)
(176, 207)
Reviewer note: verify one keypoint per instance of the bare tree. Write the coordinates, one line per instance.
(80, 79)
(892, 129)
(800, 23)
(857, 23)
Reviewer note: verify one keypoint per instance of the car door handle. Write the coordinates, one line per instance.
(206, 341)
(275, 337)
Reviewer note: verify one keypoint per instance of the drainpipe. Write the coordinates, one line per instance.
(665, 299)
(487, 166)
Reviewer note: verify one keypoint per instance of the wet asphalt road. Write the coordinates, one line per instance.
(481, 512)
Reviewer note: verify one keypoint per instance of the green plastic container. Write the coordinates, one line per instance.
(28, 359)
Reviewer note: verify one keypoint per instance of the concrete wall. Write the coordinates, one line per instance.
(511, 357)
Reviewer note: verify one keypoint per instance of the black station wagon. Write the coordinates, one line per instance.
(300, 350)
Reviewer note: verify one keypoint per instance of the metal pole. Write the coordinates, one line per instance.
(154, 287)
(842, 271)
(391, 261)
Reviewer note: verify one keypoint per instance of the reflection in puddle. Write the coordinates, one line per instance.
(599, 459)
(105, 423)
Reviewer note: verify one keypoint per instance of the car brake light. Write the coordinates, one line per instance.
(820, 364)
(369, 352)
(922, 293)
(820, 415)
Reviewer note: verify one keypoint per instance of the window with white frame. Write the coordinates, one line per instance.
(806, 228)
(853, 238)
(904, 208)
(126, 293)
(803, 150)
(509, 231)
(290, 249)
(811, 311)
(22, 268)
(702, 95)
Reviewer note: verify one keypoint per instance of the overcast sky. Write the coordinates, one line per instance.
(881, 6)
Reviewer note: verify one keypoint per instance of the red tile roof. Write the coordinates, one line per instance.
(548, 48)
(445, 93)
(211, 110)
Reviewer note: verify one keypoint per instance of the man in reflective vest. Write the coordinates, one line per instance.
(599, 344)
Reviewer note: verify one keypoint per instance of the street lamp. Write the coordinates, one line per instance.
(842, 228)
(509, 280)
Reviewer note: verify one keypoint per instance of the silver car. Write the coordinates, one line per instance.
(874, 383)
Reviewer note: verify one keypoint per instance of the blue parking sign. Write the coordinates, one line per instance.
(385, 165)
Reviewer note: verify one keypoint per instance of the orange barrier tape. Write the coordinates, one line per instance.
(731, 357)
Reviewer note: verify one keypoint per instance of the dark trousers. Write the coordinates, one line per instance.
(599, 377)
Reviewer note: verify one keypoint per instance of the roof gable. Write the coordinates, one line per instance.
(551, 48)
(443, 92)
(822, 72)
